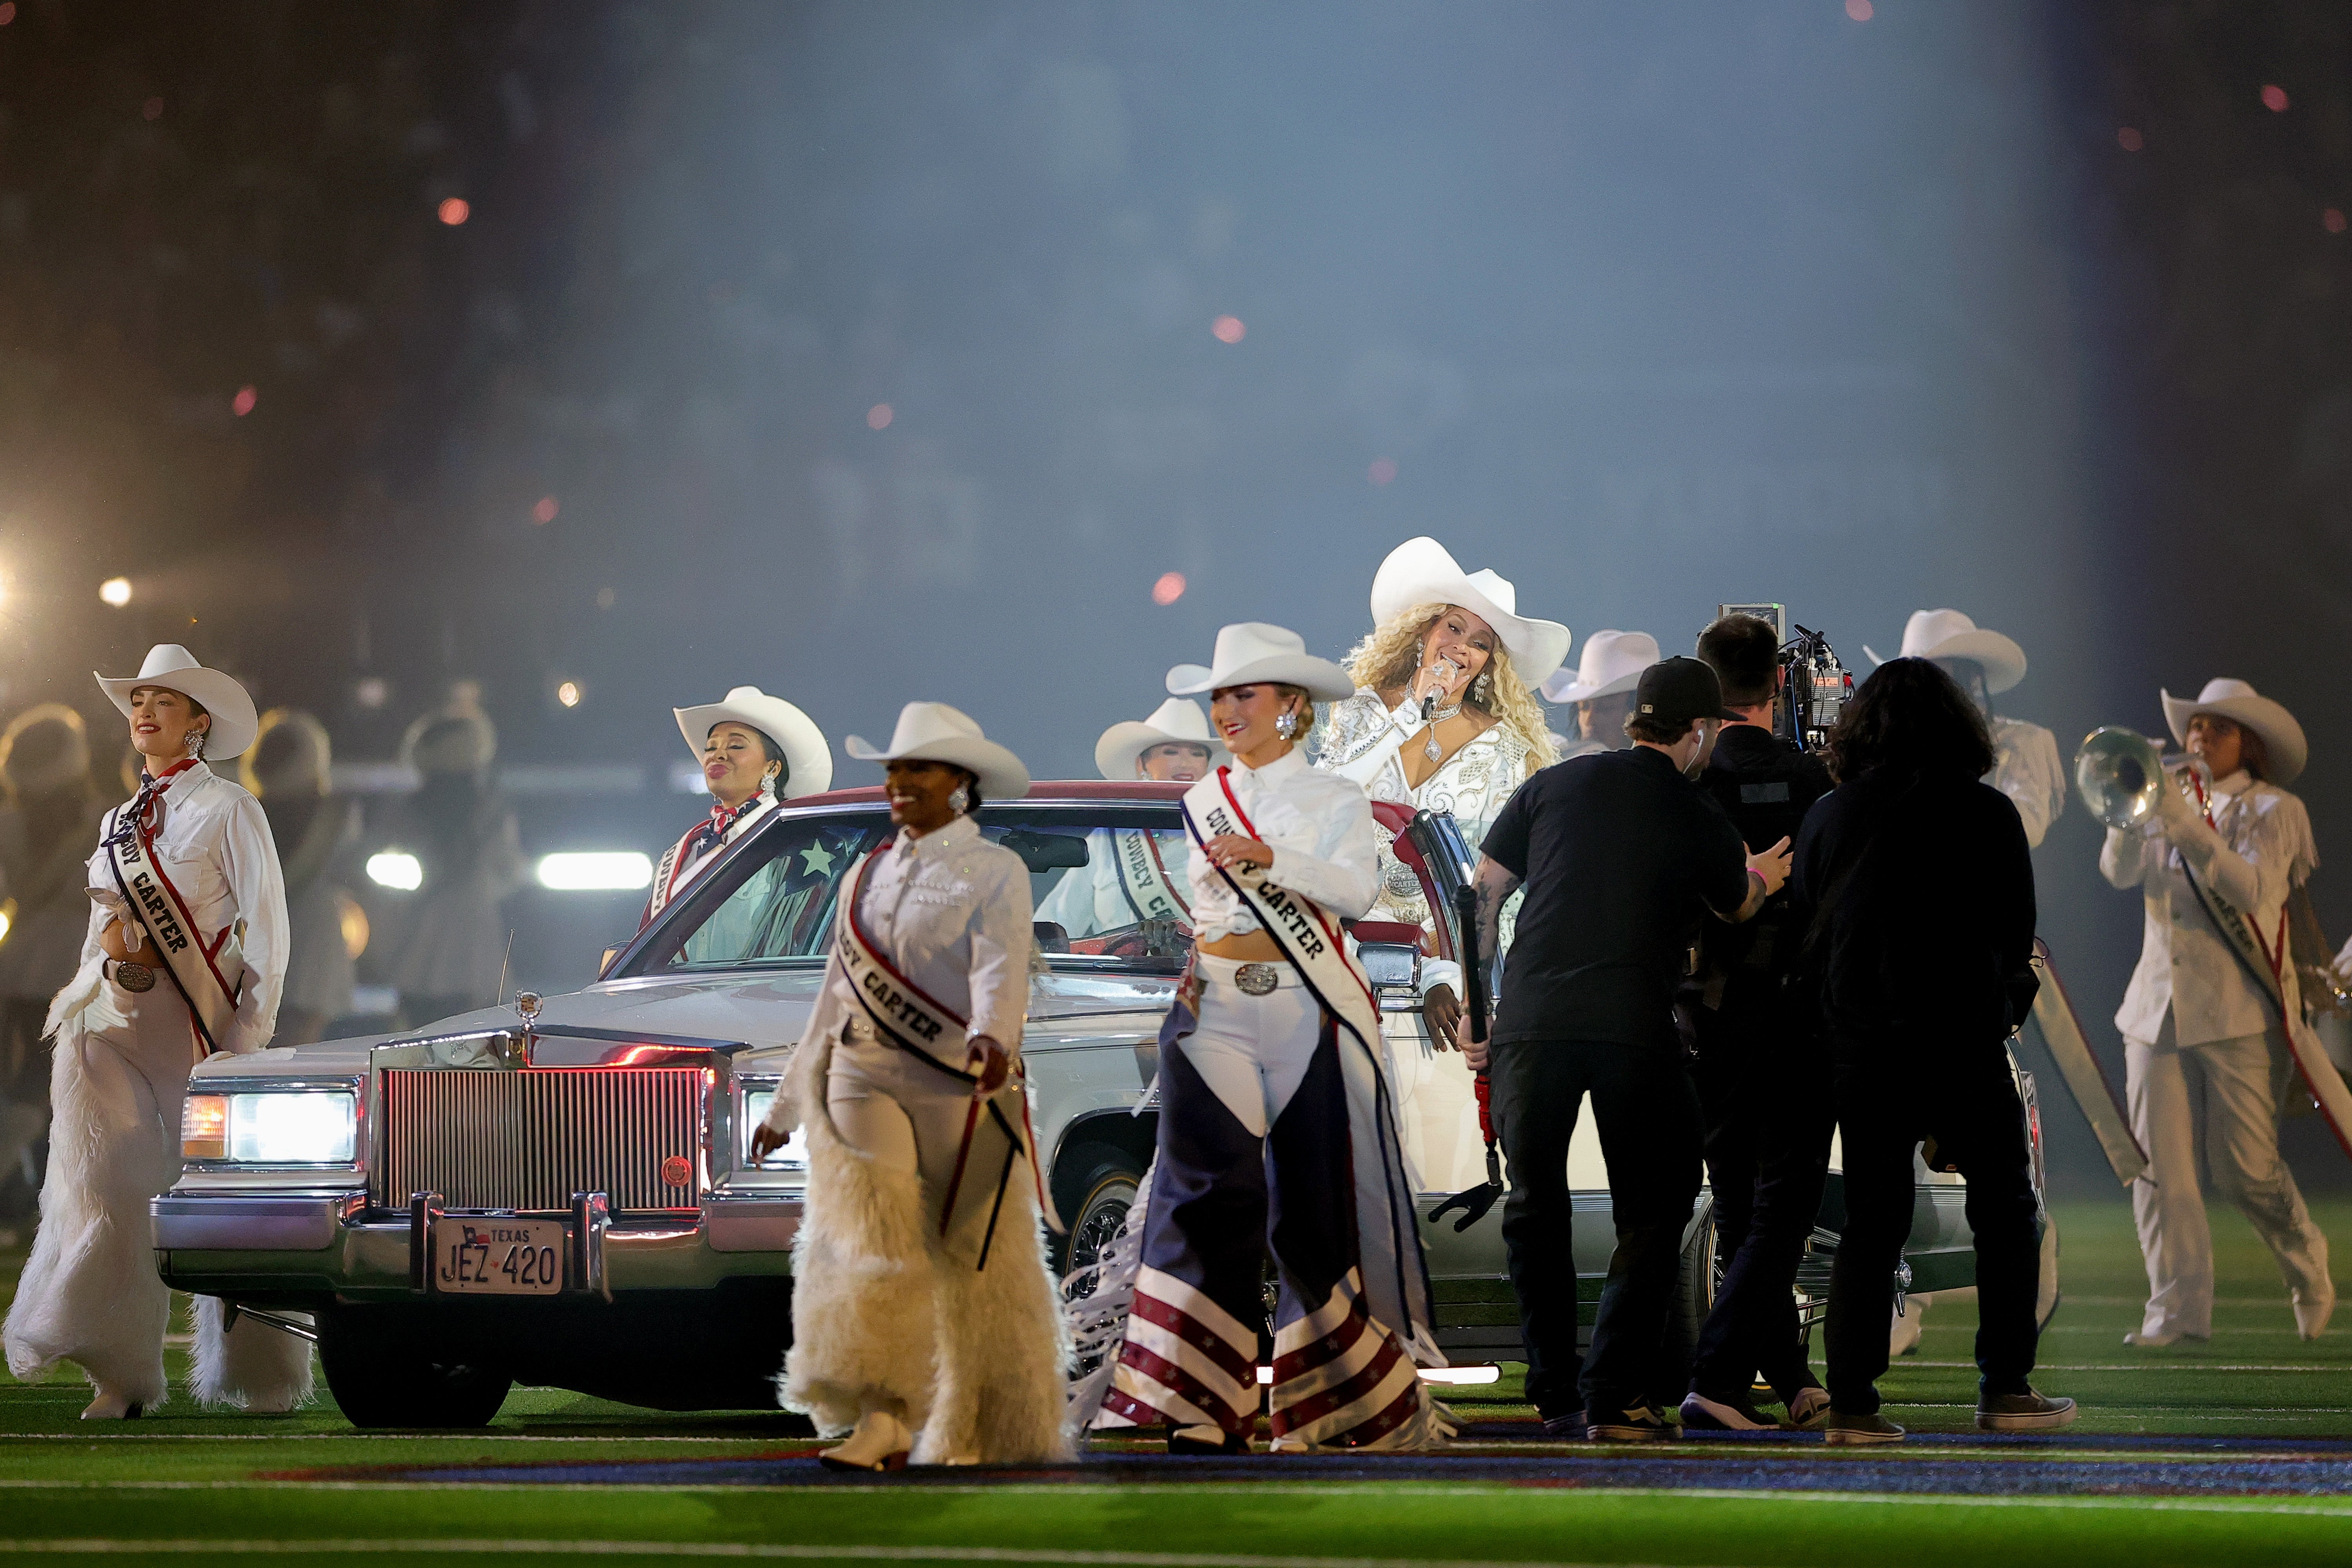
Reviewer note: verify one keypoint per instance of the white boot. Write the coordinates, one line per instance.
(2312, 1313)
(110, 1407)
(881, 1442)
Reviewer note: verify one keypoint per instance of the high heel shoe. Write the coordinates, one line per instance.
(113, 1408)
(881, 1442)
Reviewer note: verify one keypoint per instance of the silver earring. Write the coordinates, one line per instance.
(1480, 687)
(1286, 726)
(196, 743)
(959, 801)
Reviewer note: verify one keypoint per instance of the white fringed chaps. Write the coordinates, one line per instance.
(977, 1356)
(91, 1293)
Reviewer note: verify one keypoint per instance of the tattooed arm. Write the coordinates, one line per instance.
(1494, 886)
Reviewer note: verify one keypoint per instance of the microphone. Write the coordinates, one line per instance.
(1445, 670)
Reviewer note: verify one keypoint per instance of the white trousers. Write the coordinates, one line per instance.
(910, 1118)
(91, 1293)
(2225, 1092)
(1253, 1051)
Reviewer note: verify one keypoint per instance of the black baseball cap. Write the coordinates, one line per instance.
(1678, 690)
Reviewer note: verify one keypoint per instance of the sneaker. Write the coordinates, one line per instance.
(1859, 1430)
(1734, 1413)
(1207, 1440)
(1568, 1429)
(1809, 1409)
(1639, 1424)
(2026, 1412)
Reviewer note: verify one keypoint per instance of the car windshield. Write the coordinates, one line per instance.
(1105, 885)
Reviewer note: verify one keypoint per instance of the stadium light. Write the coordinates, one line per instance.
(398, 868)
(115, 591)
(596, 871)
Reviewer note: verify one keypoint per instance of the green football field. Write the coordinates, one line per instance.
(2232, 1451)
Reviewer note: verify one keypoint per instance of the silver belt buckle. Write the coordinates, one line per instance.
(1257, 979)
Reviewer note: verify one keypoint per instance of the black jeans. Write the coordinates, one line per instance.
(1769, 1119)
(1650, 1133)
(1963, 1097)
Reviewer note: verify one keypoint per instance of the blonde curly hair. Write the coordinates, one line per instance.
(1386, 660)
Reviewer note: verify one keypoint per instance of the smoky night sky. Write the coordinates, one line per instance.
(870, 351)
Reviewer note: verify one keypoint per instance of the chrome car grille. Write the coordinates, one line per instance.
(529, 1138)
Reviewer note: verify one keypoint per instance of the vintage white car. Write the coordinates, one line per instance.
(568, 1201)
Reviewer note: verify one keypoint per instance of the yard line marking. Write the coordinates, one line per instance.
(2149, 1366)
(788, 1550)
(364, 1437)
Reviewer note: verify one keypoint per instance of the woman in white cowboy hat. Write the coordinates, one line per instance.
(290, 769)
(2203, 1021)
(1133, 879)
(1273, 1105)
(184, 955)
(48, 816)
(450, 954)
(1601, 687)
(1444, 718)
(924, 1322)
(754, 750)
(1986, 664)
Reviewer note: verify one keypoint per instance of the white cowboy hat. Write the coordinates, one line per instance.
(2242, 704)
(1420, 571)
(934, 732)
(1250, 651)
(1948, 634)
(1612, 663)
(808, 760)
(1174, 720)
(175, 669)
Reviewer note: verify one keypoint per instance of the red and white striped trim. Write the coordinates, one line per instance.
(1186, 1360)
(1341, 1380)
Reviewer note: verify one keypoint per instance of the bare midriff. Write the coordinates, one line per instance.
(1246, 948)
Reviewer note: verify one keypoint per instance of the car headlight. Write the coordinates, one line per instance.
(757, 1102)
(272, 1128)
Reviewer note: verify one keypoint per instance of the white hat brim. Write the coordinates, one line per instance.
(808, 760)
(1325, 681)
(1423, 572)
(234, 722)
(2002, 659)
(1122, 743)
(1571, 692)
(2282, 736)
(1002, 776)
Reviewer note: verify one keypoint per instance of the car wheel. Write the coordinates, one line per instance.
(1694, 1298)
(388, 1379)
(1105, 1188)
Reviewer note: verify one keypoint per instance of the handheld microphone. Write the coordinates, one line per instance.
(1445, 670)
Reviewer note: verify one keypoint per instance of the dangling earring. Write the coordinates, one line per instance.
(959, 801)
(195, 744)
(1286, 724)
(1479, 688)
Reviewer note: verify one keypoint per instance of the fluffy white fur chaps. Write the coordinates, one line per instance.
(976, 1357)
(91, 1293)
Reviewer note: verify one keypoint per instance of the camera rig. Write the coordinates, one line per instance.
(1814, 687)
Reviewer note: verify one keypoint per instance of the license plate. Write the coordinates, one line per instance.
(498, 1257)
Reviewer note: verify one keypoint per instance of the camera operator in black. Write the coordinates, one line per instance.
(1762, 1081)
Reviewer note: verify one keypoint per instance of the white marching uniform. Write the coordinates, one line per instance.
(961, 1329)
(2203, 1050)
(91, 1293)
(2028, 771)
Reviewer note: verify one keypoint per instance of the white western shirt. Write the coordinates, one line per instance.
(1320, 826)
(1092, 898)
(2262, 852)
(951, 911)
(2029, 773)
(213, 843)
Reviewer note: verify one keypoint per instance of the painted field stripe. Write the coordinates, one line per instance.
(758, 1550)
(2147, 1366)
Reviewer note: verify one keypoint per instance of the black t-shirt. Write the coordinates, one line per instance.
(1622, 856)
(1765, 785)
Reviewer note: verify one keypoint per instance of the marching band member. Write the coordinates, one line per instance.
(1986, 664)
(754, 750)
(1601, 687)
(1126, 879)
(289, 769)
(2204, 1051)
(1442, 718)
(924, 1317)
(468, 847)
(184, 955)
(1277, 1131)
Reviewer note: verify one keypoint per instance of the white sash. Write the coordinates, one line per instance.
(675, 873)
(1144, 878)
(207, 978)
(1388, 1236)
(899, 1008)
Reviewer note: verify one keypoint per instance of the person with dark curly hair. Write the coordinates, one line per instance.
(1917, 977)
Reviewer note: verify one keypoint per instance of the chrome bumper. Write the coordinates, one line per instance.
(300, 1247)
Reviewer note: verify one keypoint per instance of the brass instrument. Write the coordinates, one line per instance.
(2118, 772)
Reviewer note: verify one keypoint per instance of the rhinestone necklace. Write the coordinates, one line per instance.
(1431, 750)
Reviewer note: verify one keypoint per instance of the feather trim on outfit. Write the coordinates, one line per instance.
(1096, 1300)
(248, 1365)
